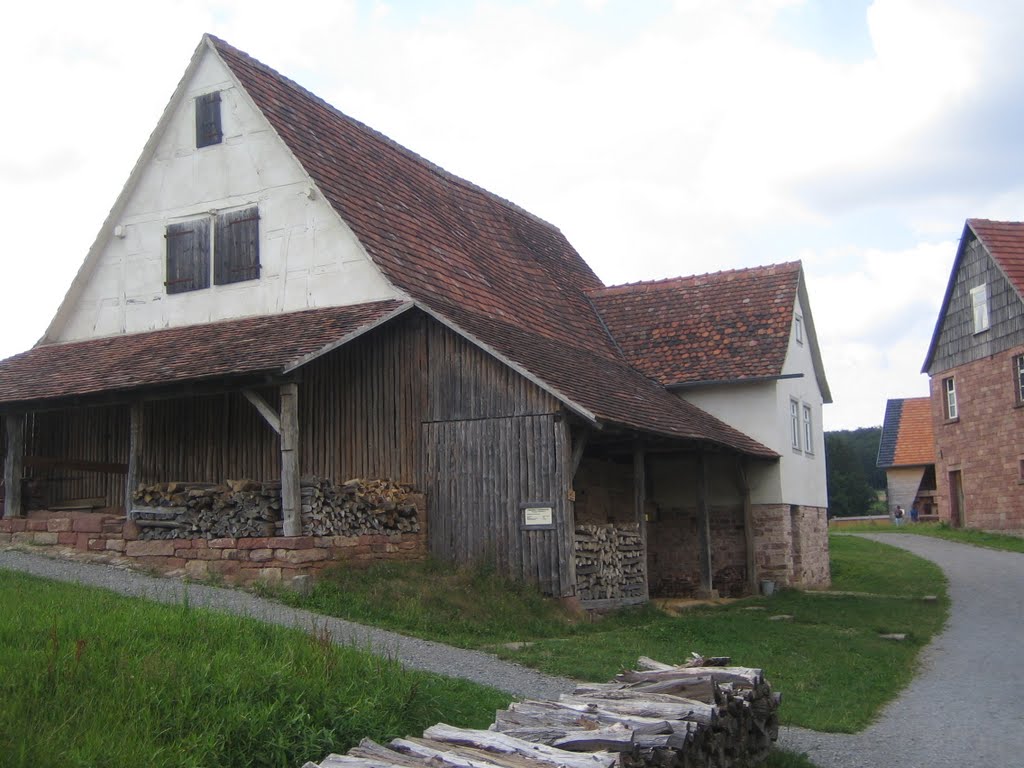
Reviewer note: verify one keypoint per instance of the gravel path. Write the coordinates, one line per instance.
(410, 652)
(964, 707)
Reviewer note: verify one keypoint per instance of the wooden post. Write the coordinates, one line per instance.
(131, 479)
(13, 465)
(748, 526)
(291, 495)
(704, 526)
(640, 502)
(568, 471)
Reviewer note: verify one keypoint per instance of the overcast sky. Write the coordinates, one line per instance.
(662, 138)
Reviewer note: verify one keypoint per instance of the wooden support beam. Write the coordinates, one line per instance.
(748, 526)
(13, 464)
(567, 544)
(269, 414)
(80, 465)
(577, 452)
(291, 497)
(640, 501)
(135, 433)
(704, 525)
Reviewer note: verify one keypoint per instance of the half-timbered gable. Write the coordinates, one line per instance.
(976, 364)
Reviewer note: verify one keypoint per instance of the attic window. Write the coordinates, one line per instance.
(237, 247)
(235, 251)
(799, 328)
(188, 256)
(979, 304)
(208, 120)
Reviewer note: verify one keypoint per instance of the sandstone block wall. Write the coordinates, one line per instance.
(272, 559)
(985, 443)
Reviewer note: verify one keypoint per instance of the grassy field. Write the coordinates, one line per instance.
(88, 678)
(827, 658)
(945, 531)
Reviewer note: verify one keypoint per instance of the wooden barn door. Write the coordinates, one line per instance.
(480, 473)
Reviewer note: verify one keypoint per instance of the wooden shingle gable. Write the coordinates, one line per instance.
(989, 254)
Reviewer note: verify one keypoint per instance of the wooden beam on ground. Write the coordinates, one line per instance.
(640, 502)
(748, 526)
(135, 433)
(291, 498)
(13, 464)
(269, 414)
(704, 524)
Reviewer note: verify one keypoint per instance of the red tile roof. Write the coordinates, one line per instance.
(501, 274)
(724, 326)
(1005, 242)
(268, 344)
(916, 443)
(907, 439)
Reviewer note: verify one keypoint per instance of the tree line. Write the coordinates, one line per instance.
(853, 478)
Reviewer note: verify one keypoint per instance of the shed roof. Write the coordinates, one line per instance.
(907, 438)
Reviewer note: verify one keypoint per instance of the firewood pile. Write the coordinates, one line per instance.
(246, 508)
(609, 562)
(702, 714)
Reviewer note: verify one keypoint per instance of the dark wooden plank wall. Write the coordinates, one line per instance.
(83, 434)
(208, 440)
(957, 342)
(480, 472)
(467, 383)
(360, 407)
(492, 442)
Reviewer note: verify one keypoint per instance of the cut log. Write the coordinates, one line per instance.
(492, 741)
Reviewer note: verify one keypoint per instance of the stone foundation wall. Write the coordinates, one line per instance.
(791, 545)
(674, 557)
(274, 559)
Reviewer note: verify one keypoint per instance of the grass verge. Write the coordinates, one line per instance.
(827, 657)
(972, 536)
(90, 678)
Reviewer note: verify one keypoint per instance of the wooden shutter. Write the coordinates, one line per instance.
(208, 119)
(237, 247)
(188, 256)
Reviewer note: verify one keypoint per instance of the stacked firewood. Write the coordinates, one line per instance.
(702, 714)
(245, 508)
(359, 507)
(609, 562)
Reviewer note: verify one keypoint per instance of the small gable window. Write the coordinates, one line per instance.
(208, 130)
(799, 329)
(949, 389)
(237, 247)
(979, 305)
(188, 256)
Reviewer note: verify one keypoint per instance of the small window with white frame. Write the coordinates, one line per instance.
(808, 430)
(798, 324)
(1018, 379)
(979, 307)
(949, 389)
(794, 423)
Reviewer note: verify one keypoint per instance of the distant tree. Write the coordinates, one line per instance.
(853, 478)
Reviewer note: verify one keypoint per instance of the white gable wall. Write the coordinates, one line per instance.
(308, 255)
(761, 410)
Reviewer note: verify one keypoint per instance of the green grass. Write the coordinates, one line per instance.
(972, 536)
(828, 660)
(88, 678)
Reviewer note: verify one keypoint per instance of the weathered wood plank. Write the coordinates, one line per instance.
(291, 500)
(14, 457)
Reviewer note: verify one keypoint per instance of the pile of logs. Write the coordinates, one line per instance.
(702, 714)
(245, 508)
(609, 562)
(359, 507)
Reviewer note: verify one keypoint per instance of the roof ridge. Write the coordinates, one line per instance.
(415, 156)
(668, 282)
